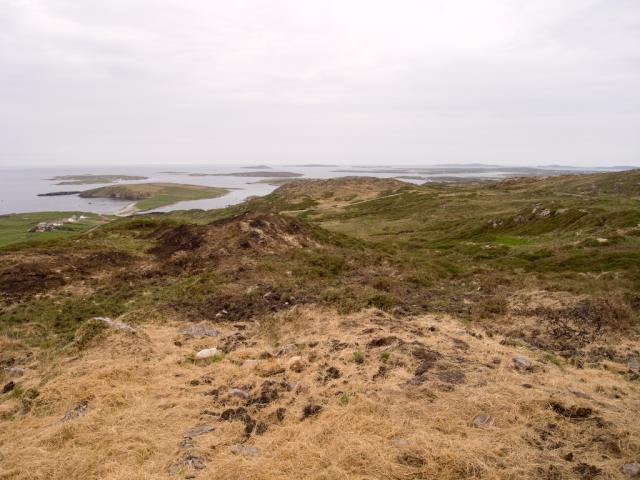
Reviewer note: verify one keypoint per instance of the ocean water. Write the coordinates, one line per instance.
(19, 188)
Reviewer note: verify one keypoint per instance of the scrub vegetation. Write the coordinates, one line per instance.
(364, 328)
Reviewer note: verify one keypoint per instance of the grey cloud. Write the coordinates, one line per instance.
(353, 81)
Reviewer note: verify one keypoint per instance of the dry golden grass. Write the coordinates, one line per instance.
(142, 394)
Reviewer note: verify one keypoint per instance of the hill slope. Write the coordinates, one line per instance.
(364, 328)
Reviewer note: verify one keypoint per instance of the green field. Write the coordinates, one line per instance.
(153, 195)
(15, 228)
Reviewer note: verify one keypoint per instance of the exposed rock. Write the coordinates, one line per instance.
(15, 371)
(411, 460)
(78, 411)
(239, 393)
(482, 420)
(522, 363)
(631, 470)
(244, 451)
(8, 387)
(287, 349)
(207, 353)
(399, 442)
(188, 460)
(634, 365)
(198, 430)
(114, 324)
(296, 364)
(199, 330)
(249, 363)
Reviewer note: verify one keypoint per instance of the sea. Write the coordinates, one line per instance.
(19, 187)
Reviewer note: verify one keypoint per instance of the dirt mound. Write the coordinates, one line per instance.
(249, 232)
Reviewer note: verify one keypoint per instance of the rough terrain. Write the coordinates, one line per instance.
(352, 328)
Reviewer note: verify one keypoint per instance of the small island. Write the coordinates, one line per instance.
(59, 194)
(250, 174)
(89, 179)
(148, 196)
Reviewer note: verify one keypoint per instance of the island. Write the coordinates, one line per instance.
(147, 196)
(276, 182)
(58, 194)
(249, 174)
(88, 179)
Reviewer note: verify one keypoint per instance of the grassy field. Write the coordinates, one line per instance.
(15, 228)
(153, 195)
(91, 179)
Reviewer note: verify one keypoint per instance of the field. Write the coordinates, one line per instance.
(16, 228)
(153, 195)
(365, 328)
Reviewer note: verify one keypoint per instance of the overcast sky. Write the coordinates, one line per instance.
(337, 81)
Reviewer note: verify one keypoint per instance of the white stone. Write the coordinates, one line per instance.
(207, 353)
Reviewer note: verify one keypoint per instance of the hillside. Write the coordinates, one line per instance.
(364, 328)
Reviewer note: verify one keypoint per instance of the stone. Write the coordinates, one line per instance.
(187, 461)
(634, 365)
(400, 442)
(522, 363)
(78, 411)
(239, 393)
(114, 324)
(198, 430)
(411, 460)
(15, 371)
(631, 470)
(199, 330)
(249, 363)
(244, 451)
(482, 420)
(296, 364)
(287, 349)
(207, 353)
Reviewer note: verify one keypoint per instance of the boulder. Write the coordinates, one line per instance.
(238, 393)
(522, 363)
(482, 420)
(207, 353)
(631, 470)
(296, 364)
(199, 330)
